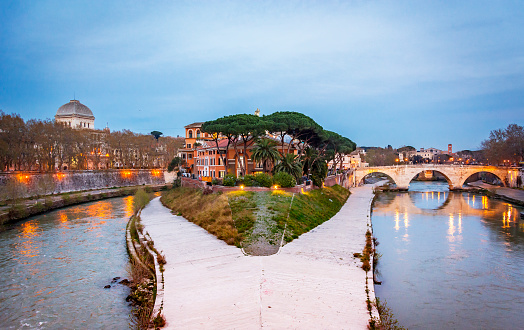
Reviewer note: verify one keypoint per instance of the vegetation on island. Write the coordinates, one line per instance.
(231, 216)
(314, 146)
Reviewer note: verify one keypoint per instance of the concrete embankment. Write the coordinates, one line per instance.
(313, 282)
(510, 195)
(29, 207)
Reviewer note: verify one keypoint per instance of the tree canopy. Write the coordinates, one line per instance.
(505, 145)
(299, 131)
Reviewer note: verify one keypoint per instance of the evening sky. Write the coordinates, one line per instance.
(421, 73)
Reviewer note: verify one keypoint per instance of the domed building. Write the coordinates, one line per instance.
(75, 114)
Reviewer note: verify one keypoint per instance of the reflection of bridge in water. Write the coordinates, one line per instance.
(455, 175)
(446, 204)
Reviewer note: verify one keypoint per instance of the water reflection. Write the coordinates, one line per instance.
(461, 265)
(53, 268)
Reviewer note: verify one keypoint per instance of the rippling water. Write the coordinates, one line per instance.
(53, 268)
(450, 260)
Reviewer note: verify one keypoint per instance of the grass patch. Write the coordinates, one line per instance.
(242, 208)
(210, 212)
(311, 209)
(231, 216)
(387, 320)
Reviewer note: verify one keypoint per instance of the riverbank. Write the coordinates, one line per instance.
(315, 281)
(515, 196)
(33, 206)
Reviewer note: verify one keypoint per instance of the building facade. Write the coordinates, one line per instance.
(204, 158)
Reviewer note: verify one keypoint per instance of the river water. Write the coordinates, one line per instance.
(450, 260)
(53, 269)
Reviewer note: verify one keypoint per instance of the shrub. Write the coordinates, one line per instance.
(284, 180)
(264, 180)
(250, 180)
(216, 181)
(230, 180)
(140, 200)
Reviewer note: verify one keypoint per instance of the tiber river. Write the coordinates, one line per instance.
(53, 269)
(450, 260)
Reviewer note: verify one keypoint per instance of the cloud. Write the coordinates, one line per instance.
(326, 58)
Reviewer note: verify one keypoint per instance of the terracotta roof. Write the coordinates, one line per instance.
(194, 125)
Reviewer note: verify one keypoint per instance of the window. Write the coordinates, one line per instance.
(221, 174)
(190, 134)
(198, 133)
(188, 145)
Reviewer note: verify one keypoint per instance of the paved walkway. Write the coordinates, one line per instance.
(314, 282)
(515, 194)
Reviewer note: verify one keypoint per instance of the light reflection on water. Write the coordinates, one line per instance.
(53, 268)
(461, 266)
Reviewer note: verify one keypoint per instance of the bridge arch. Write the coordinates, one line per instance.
(370, 174)
(448, 180)
(497, 175)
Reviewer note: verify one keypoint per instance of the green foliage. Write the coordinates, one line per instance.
(312, 208)
(289, 164)
(387, 320)
(264, 180)
(175, 163)
(319, 173)
(242, 205)
(249, 180)
(265, 151)
(140, 200)
(229, 180)
(156, 134)
(284, 180)
(17, 211)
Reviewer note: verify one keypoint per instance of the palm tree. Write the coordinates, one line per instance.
(265, 150)
(289, 164)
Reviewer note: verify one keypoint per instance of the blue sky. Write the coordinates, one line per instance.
(421, 73)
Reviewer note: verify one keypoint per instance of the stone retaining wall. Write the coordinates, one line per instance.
(23, 185)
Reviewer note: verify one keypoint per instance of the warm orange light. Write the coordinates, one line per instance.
(107, 155)
(60, 176)
(396, 160)
(156, 172)
(22, 178)
(242, 187)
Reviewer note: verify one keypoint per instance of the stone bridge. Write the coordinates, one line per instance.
(456, 175)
